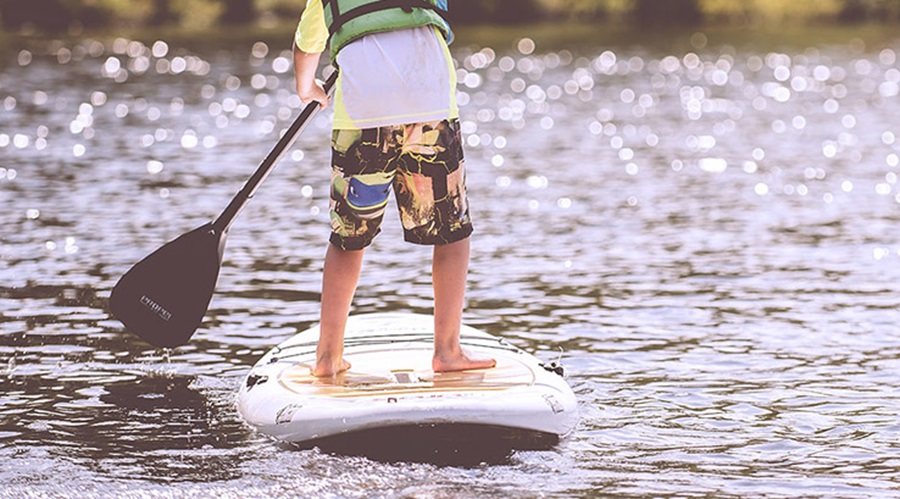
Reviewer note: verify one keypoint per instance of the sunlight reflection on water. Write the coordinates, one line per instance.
(707, 235)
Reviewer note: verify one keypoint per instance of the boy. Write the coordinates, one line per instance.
(395, 127)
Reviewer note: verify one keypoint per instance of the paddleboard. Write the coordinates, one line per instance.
(391, 390)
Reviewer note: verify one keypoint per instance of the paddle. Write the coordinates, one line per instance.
(164, 297)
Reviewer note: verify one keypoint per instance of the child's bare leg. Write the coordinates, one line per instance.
(449, 269)
(339, 280)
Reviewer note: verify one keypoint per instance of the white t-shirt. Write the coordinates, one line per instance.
(388, 78)
(395, 77)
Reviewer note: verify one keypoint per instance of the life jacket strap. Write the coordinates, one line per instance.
(339, 19)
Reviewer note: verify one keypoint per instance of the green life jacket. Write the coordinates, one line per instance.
(348, 20)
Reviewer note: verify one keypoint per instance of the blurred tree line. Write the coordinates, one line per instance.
(61, 15)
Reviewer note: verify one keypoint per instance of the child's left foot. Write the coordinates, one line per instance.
(325, 369)
(460, 361)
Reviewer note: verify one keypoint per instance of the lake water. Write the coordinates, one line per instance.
(706, 231)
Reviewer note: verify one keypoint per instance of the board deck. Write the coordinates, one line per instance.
(391, 385)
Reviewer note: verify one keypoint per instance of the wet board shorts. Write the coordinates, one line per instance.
(422, 163)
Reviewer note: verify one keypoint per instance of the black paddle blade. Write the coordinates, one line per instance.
(164, 297)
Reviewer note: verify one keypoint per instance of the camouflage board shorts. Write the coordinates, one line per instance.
(423, 163)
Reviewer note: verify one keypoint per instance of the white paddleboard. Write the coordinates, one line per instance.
(391, 385)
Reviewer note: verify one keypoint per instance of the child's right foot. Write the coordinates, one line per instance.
(460, 361)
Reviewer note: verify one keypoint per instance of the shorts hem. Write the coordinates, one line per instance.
(350, 243)
(440, 239)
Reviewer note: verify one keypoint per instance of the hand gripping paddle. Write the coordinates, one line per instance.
(164, 297)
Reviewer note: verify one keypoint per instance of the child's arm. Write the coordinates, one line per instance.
(308, 88)
(310, 40)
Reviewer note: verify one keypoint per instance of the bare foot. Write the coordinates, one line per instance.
(460, 361)
(327, 369)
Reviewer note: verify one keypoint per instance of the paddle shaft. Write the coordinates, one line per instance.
(224, 220)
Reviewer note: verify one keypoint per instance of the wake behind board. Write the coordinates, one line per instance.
(391, 396)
